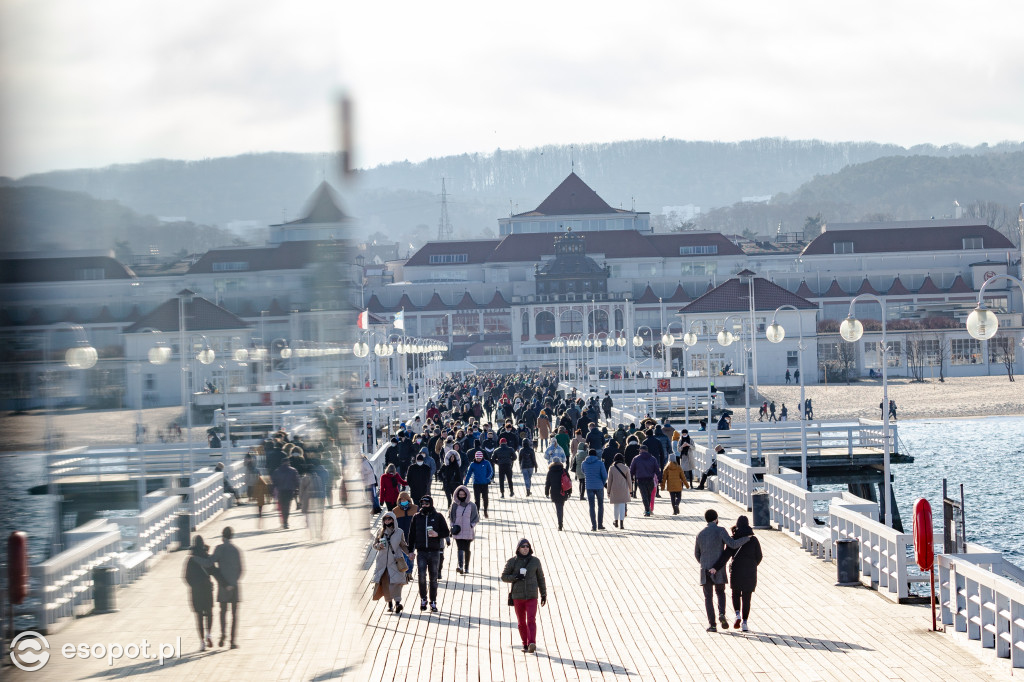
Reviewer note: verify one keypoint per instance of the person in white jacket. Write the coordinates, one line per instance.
(370, 484)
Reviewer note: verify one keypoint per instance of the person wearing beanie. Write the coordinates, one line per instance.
(419, 477)
(504, 456)
(482, 473)
(708, 548)
(743, 570)
(526, 575)
(555, 486)
(427, 533)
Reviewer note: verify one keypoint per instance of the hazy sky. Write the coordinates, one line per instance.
(94, 82)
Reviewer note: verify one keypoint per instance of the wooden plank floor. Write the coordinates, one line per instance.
(622, 604)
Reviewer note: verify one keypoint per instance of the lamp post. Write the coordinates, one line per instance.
(727, 338)
(285, 353)
(638, 342)
(669, 340)
(776, 333)
(982, 323)
(620, 342)
(851, 330)
(156, 355)
(80, 356)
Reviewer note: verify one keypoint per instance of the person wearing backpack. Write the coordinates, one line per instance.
(555, 487)
(619, 485)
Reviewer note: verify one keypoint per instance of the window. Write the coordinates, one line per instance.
(761, 322)
(597, 321)
(440, 258)
(619, 326)
(930, 350)
(545, 323)
(792, 358)
(828, 352)
(571, 322)
(965, 351)
(89, 273)
(842, 247)
(150, 382)
(698, 269)
(497, 323)
(231, 266)
(1000, 349)
(699, 250)
(448, 275)
(974, 242)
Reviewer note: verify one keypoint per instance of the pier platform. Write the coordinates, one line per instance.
(621, 605)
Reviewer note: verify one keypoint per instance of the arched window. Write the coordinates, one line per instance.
(619, 325)
(525, 320)
(572, 322)
(545, 323)
(598, 321)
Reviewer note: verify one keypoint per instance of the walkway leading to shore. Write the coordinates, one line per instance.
(621, 604)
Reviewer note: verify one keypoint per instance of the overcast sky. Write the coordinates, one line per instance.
(87, 83)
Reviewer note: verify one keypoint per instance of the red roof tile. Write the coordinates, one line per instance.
(571, 197)
(804, 291)
(321, 207)
(405, 303)
(897, 288)
(200, 315)
(497, 302)
(435, 303)
(733, 296)
(18, 270)
(648, 296)
(959, 286)
(475, 250)
(285, 256)
(866, 288)
(375, 306)
(467, 302)
(680, 295)
(928, 287)
(916, 235)
(835, 291)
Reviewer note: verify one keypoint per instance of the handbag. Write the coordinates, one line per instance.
(456, 529)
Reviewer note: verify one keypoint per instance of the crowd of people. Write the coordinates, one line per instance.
(478, 429)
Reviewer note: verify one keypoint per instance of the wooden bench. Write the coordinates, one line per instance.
(133, 565)
(817, 540)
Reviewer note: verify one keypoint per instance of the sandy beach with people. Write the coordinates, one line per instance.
(956, 397)
(932, 399)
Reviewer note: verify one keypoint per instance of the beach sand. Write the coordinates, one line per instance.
(20, 432)
(956, 397)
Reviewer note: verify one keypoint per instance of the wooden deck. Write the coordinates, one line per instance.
(621, 605)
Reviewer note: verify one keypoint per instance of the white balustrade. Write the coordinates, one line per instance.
(737, 480)
(984, 605)
(154, 528)
(883, 551)
(64, 581)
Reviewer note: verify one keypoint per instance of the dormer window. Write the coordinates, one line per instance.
(842, 247)
(974, 243)
(441, 258)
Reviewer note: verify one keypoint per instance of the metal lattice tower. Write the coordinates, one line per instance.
(444, 226)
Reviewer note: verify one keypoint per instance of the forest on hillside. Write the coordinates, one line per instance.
(201, 200)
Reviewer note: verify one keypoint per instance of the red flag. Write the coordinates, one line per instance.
(364, 319)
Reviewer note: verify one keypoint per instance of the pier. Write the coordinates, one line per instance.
(621, 605)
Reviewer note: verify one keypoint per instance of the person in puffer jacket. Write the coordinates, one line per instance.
(482, 474)
(464, 517)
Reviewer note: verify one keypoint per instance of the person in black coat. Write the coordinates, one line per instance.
(198, 571)
(426, 537)
(743, 572)
(553, 488)
(527, 463)
(419, 478)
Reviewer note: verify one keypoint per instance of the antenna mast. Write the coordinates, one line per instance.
(444, 226)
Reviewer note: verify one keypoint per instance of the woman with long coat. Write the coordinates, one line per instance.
(577, 465)
(543, 428)
(198, 569)
(686, 462)
(391, 483)
(743, 571)
(619, 486)
(388, 575)
(463, 515)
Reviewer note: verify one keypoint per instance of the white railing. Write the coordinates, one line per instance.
(702, 457)
(986, 606)
(737, 480)
(792, 506)
(154, 528)
(883, 551)
(64, 581)
(153, 459)
(204, 499)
